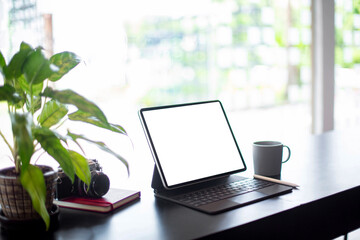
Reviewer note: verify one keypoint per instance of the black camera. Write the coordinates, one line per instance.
(99, 184)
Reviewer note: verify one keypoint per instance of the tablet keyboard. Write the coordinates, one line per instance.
(213, 194)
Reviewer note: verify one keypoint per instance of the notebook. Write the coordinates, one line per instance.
(197, 158)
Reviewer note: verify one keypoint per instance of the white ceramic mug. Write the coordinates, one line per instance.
(268, 158)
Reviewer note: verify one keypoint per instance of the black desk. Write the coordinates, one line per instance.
(327, 204)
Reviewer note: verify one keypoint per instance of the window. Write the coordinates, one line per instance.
(247, 53)
(252, 55)
(347, 63)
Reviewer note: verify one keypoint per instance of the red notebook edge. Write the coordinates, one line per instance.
(114, 199)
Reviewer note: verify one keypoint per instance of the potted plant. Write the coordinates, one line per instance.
(36, 111)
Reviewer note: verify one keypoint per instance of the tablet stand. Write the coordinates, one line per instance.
(156, 183)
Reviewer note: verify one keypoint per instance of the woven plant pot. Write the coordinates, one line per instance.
(16, 202)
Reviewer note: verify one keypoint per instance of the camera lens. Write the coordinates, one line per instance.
(99, 185)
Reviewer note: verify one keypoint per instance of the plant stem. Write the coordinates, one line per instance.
(31, 100)
(7, 143)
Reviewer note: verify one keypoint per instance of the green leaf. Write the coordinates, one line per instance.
(37, 68)
(71, 97)
(82, 169)
(35, 104)
(2, 64)
(88, 118)
(8, 93)
(50, 142)
(101, 145)
(52, 113)
(14, 69)
(24, 85)
(65, 61)
(21, 127)
(32, 179)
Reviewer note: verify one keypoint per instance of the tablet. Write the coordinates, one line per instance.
(191, 142)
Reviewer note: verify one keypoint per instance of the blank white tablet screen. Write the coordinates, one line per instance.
(192, 142)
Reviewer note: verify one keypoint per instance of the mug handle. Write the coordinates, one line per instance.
(288, 155)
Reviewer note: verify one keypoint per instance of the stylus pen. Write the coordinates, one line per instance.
(276, 181)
